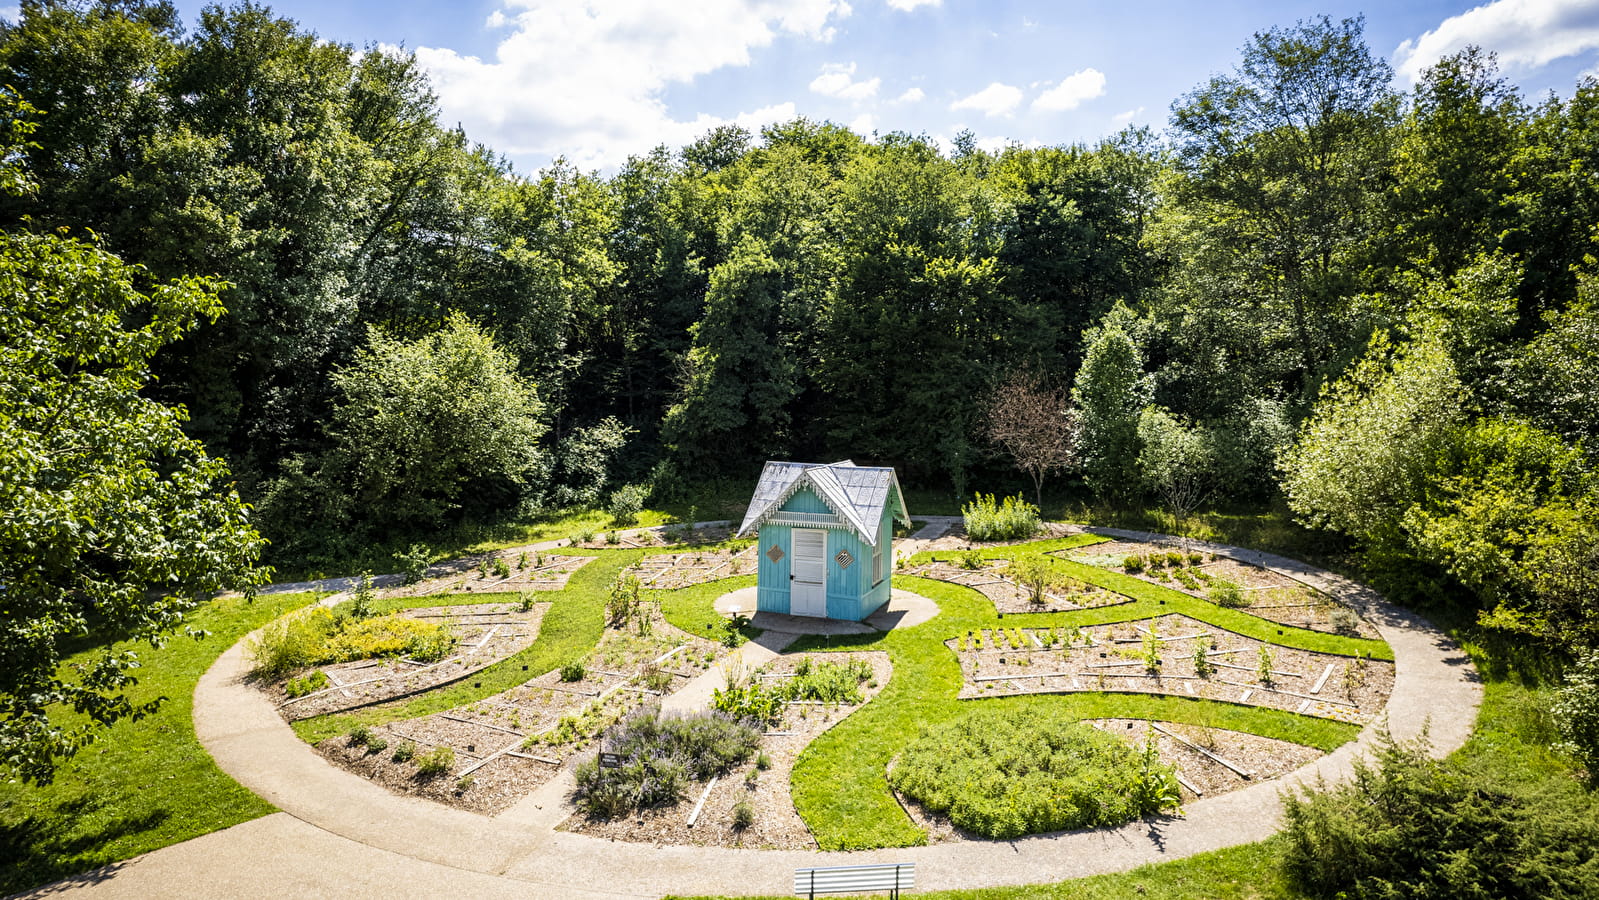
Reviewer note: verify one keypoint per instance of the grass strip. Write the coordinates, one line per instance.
(569, 632)
(1246, 872)
(840, 786)
(142, 785)
(1157, 600)
(693, 608)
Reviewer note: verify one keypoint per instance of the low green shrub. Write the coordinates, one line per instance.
(1413, 826)
(1226, 594)
(306, 684)
(763, 701)
(1004, 773)
(743, 815)
(413, 563)
(1133, 564)
(360, 736)
(988, 519)
(971, 558)
(758, 702)
(1576, 712)
(404, 752)
(435, 762)
(376, 745)
(627, 502)
(316, 635)
(660, 755)
(572, 671)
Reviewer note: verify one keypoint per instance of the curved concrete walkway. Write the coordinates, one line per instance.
(356, 839)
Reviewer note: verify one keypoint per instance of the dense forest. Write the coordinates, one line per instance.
(1375, 305)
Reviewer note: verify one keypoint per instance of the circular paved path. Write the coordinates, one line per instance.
(340, 834)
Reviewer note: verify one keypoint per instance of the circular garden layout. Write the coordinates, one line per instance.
(582, 677)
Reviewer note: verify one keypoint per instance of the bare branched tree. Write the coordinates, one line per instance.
(1035, 424)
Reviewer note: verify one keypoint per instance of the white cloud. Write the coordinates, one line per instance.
(1525, 33)
(586, 80)
(914, 95)
(908, 5)
(839, 81)
(496, 20)
(995, 100)
(863, 124)
(1123, 119)
(1085, 84)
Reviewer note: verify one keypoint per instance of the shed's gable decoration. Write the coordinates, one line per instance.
(856, 494)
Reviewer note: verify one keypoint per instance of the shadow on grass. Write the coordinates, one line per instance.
(59, 845)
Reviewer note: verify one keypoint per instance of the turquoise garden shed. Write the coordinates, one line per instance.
(825, 538)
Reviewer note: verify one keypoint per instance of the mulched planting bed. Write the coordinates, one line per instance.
(1270, 595)
(1111, 658)
(776, 824)
(955, 538)
(486, 633)
(1194, 751)
(670, 571)
(525, 570)
(663, 536)
(1010, 597)
(527, 721)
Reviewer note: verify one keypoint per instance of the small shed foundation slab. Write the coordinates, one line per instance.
(904, 609)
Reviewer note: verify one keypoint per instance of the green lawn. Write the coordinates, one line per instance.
(149, 784)
(1511, 739)
(142, 785)
(839, 785)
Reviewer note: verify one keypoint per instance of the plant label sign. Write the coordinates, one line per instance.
(610, 760)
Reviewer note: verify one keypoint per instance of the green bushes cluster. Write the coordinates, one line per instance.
(1004, 773)
(989, 519)
(316, 636)
(306, 684)
(660, 756)
(626, 503)
(762, 702)
(1413, 826)
(1227, 594)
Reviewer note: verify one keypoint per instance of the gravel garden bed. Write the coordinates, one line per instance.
(1010, 597)
(775, 824)
(670, 571)
(663, 536)
(1265, 593)
(486, 633)
(998, 662)
(507, 571)
(524, 736)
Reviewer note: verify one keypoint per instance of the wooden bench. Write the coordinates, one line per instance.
(893, 877)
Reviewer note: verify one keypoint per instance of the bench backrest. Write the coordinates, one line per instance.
(894, 877)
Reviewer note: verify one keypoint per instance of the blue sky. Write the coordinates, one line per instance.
(598, 80)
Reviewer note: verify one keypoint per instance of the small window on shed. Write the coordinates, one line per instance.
(877, 561)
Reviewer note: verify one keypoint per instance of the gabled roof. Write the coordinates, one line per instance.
(857, 494)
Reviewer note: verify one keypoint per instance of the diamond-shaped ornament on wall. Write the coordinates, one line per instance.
(775, 554)
(843, 559)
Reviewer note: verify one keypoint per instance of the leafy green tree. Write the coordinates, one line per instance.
(1451, 199)
(1178, 460)
(112, 521)
(1361, 460)
(1576, 712)
(1282, 161)
(425, 431)
(1109, 394)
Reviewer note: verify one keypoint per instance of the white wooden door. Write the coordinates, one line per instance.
(808, 590)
